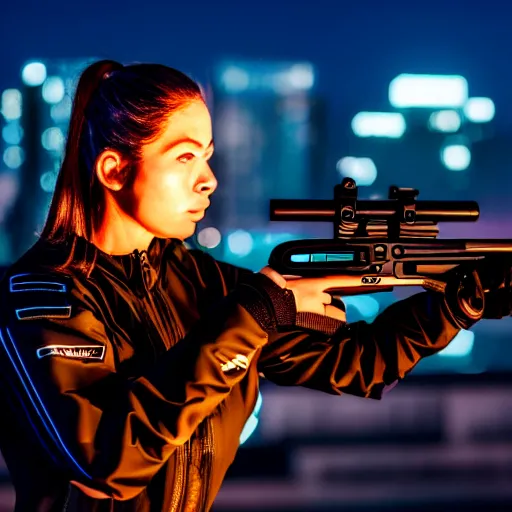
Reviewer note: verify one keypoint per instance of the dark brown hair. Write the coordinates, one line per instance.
(116, 107)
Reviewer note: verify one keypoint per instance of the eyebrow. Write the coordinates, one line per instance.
(183, 140)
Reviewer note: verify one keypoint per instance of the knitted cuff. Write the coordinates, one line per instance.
(274, 307)
(270, 305)
(316, 322)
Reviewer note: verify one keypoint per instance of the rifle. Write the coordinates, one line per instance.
(380, 244)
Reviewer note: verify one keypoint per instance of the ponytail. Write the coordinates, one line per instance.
(72, 201)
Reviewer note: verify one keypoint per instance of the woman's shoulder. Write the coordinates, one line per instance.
(41, 275)
(41, 297)
(43, 258)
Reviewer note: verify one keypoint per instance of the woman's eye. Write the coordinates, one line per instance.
(186, 157)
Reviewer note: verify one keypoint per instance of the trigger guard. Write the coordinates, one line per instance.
(339, 304)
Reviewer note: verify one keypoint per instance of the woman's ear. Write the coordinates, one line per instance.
(110, 169)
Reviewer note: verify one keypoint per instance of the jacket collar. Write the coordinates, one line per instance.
(141, 268)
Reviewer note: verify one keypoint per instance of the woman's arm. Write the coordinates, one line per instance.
(362, 358)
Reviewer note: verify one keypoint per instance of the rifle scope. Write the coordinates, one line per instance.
(323, 210)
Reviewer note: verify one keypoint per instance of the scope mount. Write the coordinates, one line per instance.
(350, 222)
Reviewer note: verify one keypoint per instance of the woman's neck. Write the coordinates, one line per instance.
(117, 233)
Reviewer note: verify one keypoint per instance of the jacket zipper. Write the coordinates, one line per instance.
(198, 452)
(181, 469)
(145, 268)
(182, 452)
(208, 456)
(207, 441)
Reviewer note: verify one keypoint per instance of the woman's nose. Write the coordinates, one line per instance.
(208, 182)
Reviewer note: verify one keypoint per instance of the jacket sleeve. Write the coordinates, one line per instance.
(361, 358)
(110, 434)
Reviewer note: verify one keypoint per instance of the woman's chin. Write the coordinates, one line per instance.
(180, 234)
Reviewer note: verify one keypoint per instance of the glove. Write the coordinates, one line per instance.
(495, 275)
(464, 296)
(478, 291)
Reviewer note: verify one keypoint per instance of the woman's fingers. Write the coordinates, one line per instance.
(275, 276)
(310, 295)
(334, 312)
(323, 283)
(325, 298)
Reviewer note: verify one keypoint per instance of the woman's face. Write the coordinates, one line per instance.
(173, 182)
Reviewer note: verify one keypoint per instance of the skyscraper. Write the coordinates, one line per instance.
(41, 123)
(265, 138)
(12, 157)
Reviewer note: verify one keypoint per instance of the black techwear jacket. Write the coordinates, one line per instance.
(131, 379)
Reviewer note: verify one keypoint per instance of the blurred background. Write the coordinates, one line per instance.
(303, 94)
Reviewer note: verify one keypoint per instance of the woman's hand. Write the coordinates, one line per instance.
(309, 293)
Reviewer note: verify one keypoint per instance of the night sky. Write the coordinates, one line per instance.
(356, 46)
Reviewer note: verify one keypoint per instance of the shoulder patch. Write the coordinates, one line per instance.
(35, 282)
(36, 296)
(72, 351)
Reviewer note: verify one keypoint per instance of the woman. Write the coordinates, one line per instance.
(130, 364)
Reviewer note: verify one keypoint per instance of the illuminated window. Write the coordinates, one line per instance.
(61, 112)
(52, 139)
(209, 237)
(14, 157)
(34, 74)
(48, 180)
(479, 110)
(456, 157)
(53, 90)
(235, 79)
(11, 104)
(12, 133)
(434, 91)
(447, 121)
(378, 124)
(240, 243)
(298, 77)
(362, 170)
